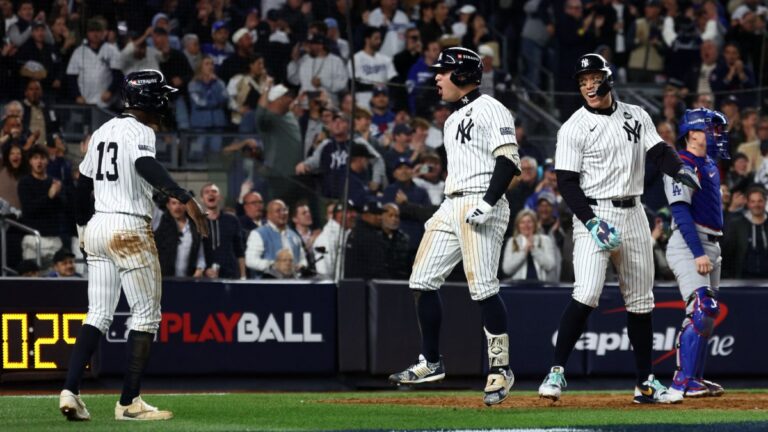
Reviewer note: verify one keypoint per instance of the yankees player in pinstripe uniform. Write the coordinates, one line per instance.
(599, 162)
(120, 170)
(469, 225)
(693, 251)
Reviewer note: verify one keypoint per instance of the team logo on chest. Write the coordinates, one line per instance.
(464, 129)
(633, 132)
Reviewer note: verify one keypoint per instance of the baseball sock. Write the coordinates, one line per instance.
(139, 344)
(640, 332)
(571, 325)
(430, 312)
(87, 341)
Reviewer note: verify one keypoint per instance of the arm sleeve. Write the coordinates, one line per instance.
(503, 172)
(664, 157)
(156, 175)
(570, 189)
(682, 214)
(83, 200)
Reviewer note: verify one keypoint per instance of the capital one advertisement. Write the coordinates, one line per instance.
(235, 328)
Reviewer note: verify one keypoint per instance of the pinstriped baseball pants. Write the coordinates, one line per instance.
(121, 252)
(633, 259)
(448, 239)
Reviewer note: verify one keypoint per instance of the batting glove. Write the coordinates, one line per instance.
(604, 234)
(478, 214)
(688, 177)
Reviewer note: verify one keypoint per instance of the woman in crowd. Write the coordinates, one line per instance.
(529, 254)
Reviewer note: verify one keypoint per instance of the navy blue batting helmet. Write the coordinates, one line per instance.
(714, 124)
(465, 64)
(595, 63)
(146, 90)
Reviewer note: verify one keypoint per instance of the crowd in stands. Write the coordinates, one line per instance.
(280, 74)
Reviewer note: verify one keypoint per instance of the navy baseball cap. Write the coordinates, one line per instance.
(218, 25)
(402, 128)
(62, 254)
(380, 90)
(373, 207)
(403, 160)
(359, 150)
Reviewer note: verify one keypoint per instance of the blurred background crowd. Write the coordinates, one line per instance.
(288, 106)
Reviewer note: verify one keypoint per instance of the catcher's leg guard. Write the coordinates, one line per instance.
(692, 342)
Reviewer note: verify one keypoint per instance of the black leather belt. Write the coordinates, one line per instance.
(713, 238)
(620, 203)
(460, 194)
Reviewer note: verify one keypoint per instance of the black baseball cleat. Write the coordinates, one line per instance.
(421, 372)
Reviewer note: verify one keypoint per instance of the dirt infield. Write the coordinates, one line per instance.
(729, 401)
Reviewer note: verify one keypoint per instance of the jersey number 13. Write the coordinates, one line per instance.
(111, 173)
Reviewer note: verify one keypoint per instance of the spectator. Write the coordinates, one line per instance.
(537, 30)
(700, 76)
(318, 69)
(709, 24)
(301, 222)
(421, 80)
(41, 205)
(730, 107)
(528, 254)
(495, 82)
(477, 34)
(208, 99)
(224, 245)
(179, 243)
(748, 33)
(745, 240)
(394, 23)
(704, 100)
(28, 268)
(21, 30)
(202, 23)
(646, 59)
(94, 68)
(137, 55)
(364, 257)
(399, 148)
(219, 48)
(740, 173)
(440, 113)
(732, 74)
(336, 44)
(524, 146)
(12, 168)
(266, 241)
(238, 62)
(281, 135)
(39, 59)
(245, 89)
(683, 39)
(672, 107)
(435, 22)
(192, 50)
(420, 132)
(326, 247)
(365, 130)
(63, 39)
(408, 56)
(465, 13)
(402, 174)
(12, 133)
(526, 186)
(283, 267)
(382, 116)
(371, 67)
(761, 176)
(63, 264)
(397, 252)
(9, 18)
(37, 118)
(428, 175)
(177, 71)
(750, 145)
(360, 189)
(660, 233)
(297, 15)
(251, 205)
(161, 22)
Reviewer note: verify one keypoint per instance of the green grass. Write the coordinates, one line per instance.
(303, 411)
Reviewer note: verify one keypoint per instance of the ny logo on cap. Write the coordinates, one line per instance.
(584, 62)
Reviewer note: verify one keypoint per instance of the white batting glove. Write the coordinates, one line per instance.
(478, 214)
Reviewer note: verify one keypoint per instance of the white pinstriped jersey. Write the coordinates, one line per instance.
(471, 134)
(608, 151)
(112, 152)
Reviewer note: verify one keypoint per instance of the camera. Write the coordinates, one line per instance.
(425, 169)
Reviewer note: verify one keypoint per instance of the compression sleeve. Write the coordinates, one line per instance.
(83, 200)
(503, 172)
(681, 211)
(156, 175)
(666, 158)
(568, 183)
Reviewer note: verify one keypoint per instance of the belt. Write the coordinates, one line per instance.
(460, 194)
(713, 238)
(621, 203)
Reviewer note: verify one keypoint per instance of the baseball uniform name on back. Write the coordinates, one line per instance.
(112, 152)
(471, 134)
(607, 145)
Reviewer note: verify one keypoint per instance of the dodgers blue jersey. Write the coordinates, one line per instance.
(705, 205)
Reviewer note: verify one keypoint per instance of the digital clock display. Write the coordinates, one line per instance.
(38, 340)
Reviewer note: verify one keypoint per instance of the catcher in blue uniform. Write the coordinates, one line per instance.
(693, 251)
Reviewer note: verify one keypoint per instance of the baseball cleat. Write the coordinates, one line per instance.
(715, 389)
(691, 388)
(73, 407)
(498, 385)
(553, 384)
(421, 372)
(140, 410)
(652, 391)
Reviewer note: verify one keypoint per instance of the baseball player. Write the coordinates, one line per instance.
(600, 164)
(470, 223)
(120, 170)
(693, 251)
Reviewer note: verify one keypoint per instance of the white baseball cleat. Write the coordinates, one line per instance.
(72, 406)
(553, 384)
(140, 410)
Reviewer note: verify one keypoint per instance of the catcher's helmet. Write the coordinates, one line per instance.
(146, 90)
(465, 64)
(595, 63)
(713, 124)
